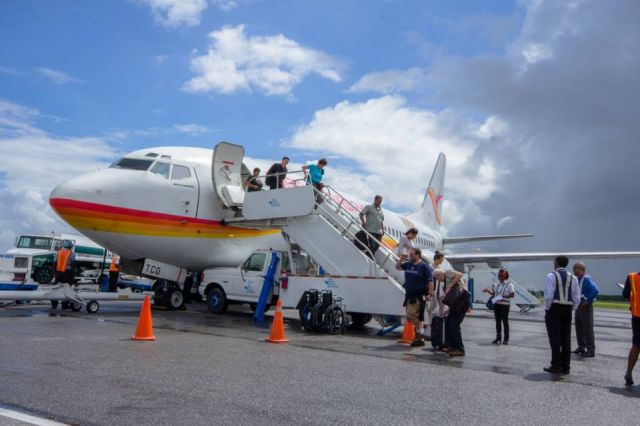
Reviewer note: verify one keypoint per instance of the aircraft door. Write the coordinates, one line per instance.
(185, 188)
(227, 173)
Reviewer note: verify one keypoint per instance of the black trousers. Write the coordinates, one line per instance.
(374, 243)
(113, 281)
(501, 314)
(453, 329)
(558, 321)
(584, 327)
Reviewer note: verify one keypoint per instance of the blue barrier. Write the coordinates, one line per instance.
(269, 278)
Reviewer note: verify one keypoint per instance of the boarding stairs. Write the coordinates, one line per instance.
(325, 230)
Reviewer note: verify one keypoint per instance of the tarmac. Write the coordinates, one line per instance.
(78, 368)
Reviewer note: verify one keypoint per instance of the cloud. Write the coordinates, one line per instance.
(564, 105)
(7, 70)
(154, 131)
(272, 65)
(191, 129)
(395, 147)
(391, 81)
(56, 76)
(32, 162)
(176, 13)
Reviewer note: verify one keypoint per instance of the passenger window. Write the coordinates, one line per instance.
(161, 169)
(255, 262)
(180, 172)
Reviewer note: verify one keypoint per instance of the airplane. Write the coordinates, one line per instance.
(163, 210)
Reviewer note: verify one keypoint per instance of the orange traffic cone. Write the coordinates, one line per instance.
(408, 332)
(145, 326)
(277, 327)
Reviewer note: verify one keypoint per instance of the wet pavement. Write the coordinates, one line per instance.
(80, 368)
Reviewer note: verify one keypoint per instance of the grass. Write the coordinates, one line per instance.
(622, 306)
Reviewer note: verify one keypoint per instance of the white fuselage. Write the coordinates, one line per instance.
(161, 203)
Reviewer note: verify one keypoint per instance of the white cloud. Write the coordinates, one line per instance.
(273, 65)
(7, 70)
(56, 76)
(391, 81)
(175, 13)
(225, 5)
(32, 162)
(395, 148)
(191, 129)
(504, 221)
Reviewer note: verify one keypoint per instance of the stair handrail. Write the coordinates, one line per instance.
(351, 220)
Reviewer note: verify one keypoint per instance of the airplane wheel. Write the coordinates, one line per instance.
(54, 304)
(173, 299)
(92, 307)
(217, 301)
(75, 307)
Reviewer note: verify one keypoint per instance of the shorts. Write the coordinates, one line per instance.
(635, 327)
(415, 311)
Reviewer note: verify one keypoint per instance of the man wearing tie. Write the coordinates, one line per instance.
(561, 298)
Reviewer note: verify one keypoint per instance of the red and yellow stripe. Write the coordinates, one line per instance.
(121, 220)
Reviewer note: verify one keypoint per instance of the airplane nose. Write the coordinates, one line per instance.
(83, 192)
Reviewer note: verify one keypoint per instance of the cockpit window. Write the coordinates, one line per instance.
(161, 169)
(132, 164)
(180, 172)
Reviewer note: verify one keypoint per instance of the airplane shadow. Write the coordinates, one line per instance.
(630, 392)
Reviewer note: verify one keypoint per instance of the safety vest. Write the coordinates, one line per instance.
(114, 267)
(634, 296)
(64, 255)
(563, 296)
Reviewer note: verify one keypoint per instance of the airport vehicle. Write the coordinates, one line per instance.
(171, 210)
(298, 282)
(31, 260)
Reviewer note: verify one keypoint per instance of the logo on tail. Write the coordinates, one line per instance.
(435, 201)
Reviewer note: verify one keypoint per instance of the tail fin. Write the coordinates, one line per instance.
(430, 212)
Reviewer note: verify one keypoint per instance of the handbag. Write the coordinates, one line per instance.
(490, 305)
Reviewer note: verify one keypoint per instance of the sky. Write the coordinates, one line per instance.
(534, 102)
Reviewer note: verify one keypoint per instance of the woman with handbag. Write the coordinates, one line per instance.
(456, 297)
(500, 293)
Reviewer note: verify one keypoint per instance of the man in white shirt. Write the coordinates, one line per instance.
(561, 298)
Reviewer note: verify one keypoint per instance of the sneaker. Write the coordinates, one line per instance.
(455, 352)
(496, 342)
(506, 342)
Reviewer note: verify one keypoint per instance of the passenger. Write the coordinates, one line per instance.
(114, 273)
(64, 259)
(631, 292)
(418, 286)
(456, 297)
(438, 260)
(276, 174)
(561, 298)
(503, 290)
(406, 241)
(584, 314)
(435, 309)
(372, 219)
(313, 174)
(254, 183)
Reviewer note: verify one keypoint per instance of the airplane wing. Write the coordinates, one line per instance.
(495, 259)
(458, 240)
